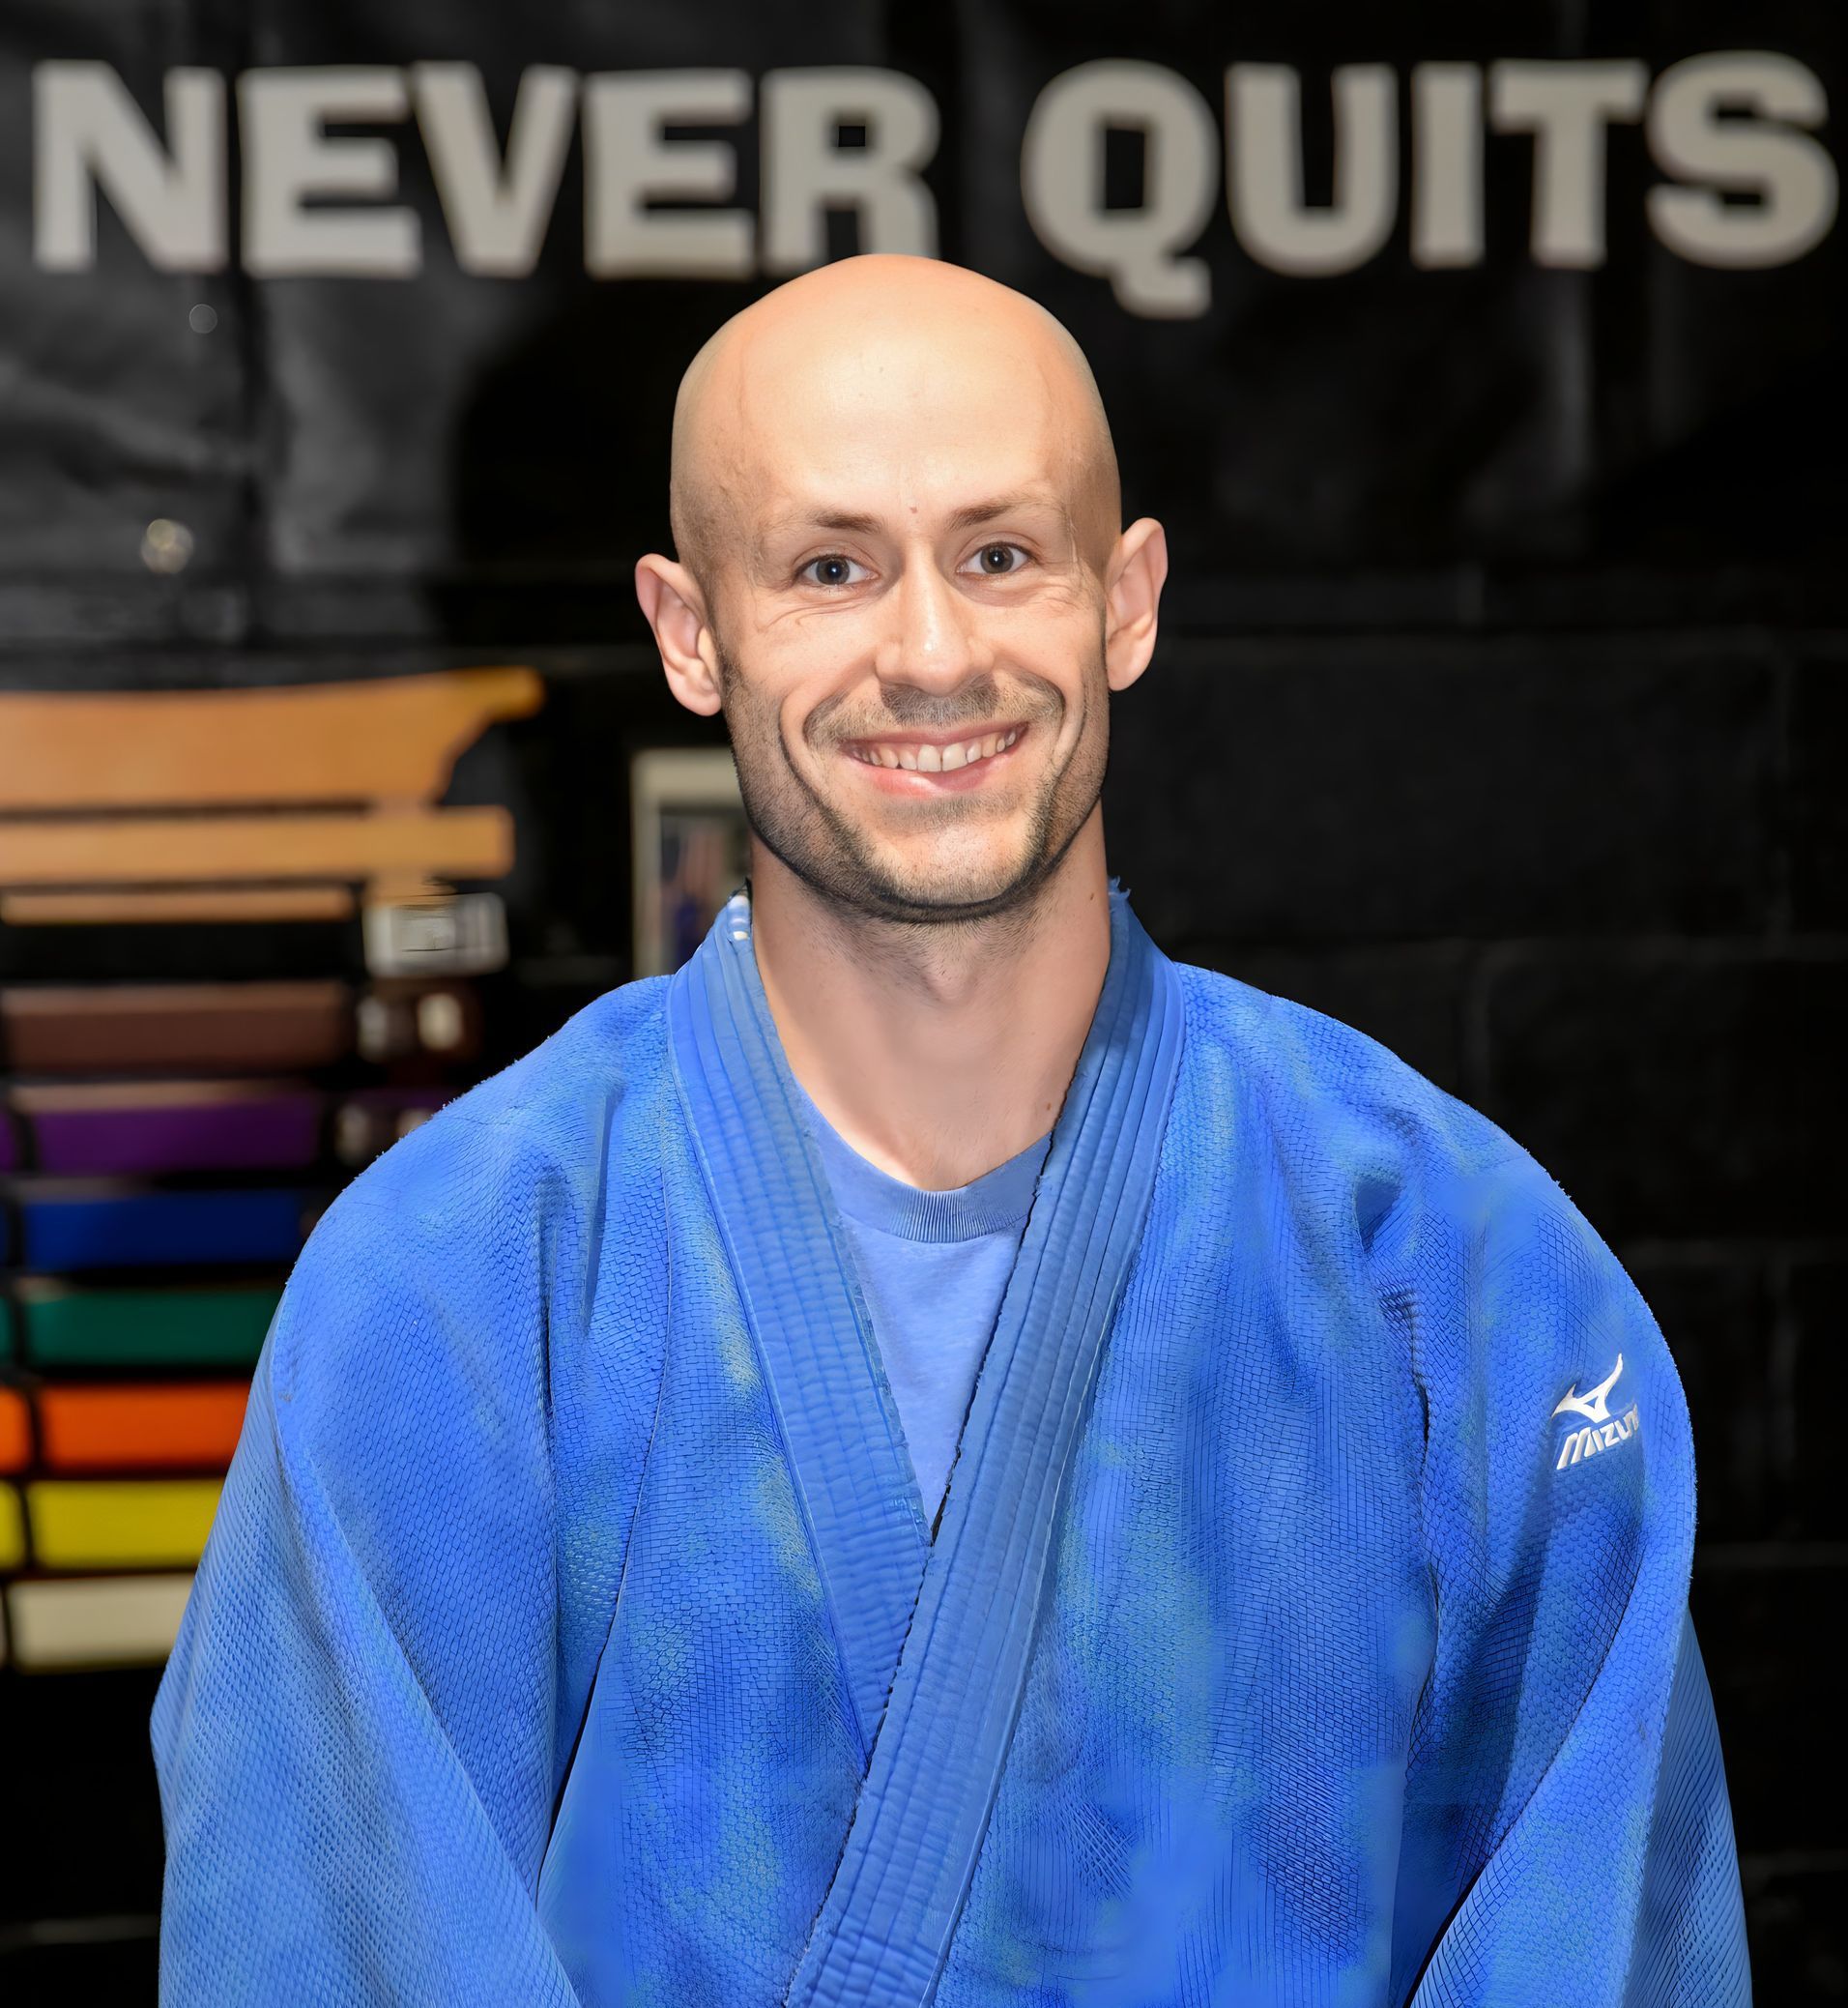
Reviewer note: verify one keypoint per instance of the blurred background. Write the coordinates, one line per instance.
(1480, 365)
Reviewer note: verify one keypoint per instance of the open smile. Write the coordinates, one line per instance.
(911, 764)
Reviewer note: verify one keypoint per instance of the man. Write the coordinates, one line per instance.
(937, 1455)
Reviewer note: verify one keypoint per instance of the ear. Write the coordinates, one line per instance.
(1132, 597)
(674, 608)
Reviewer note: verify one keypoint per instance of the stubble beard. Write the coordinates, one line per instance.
(809, 836)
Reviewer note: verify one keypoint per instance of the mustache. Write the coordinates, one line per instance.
(981, 704)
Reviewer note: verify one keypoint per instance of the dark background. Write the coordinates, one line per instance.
(1500, 709)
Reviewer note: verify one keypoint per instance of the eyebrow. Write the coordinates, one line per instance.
(969, 518)
(980, 513)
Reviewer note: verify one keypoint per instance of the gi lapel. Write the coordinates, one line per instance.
(795, 1277)
(884, 1931)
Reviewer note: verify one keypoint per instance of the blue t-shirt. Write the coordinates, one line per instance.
(933, 1268)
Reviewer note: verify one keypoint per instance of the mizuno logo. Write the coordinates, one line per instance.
(1592, 1406)
(1595, 1405)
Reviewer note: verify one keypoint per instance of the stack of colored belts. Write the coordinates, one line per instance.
(165, 1147)
(152, 1209)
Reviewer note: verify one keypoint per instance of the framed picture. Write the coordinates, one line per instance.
(689, 847)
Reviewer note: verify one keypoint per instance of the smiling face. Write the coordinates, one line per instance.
(896, 496)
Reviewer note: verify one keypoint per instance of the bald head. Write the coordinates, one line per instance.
(867, 381)
(904, 580)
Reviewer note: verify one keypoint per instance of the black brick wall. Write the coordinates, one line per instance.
(1593, 885)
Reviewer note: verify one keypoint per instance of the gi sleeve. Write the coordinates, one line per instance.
(1567, 1835)
(354, 1733)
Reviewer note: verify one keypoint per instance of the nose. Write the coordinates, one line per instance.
(932, 637)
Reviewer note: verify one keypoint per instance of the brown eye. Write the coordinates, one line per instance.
(997, 560)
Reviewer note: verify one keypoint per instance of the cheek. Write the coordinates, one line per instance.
(1061, 645)
(1056, 618)
(800, 668)
(813, 646)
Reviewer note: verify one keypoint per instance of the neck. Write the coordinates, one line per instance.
(937, 1052)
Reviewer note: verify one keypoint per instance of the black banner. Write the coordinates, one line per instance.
(345, 319)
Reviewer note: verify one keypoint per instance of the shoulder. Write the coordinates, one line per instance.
(1329, 1099)
(1472, 1247)
(545, 1120)
(492, 1207)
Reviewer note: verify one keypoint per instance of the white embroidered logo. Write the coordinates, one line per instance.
(1603, 1434)
(1592, 1406)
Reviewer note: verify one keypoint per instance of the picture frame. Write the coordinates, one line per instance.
(689, 847)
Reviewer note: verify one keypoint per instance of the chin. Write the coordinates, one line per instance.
(958, 887)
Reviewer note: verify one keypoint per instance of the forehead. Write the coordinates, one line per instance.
(890, 424)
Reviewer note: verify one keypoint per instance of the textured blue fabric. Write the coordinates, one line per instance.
(1345, 1681)
(933, 1266)
(891, 1913)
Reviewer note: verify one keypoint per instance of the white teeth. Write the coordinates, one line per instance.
(937, 759)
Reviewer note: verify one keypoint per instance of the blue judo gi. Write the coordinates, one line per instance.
(1306, 1623)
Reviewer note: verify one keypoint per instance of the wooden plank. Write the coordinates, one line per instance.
(475, 843)
(38, 1098)
(223, 906)
(136, 1523)
(108, 1002)
(96, 1621)
(389, 739)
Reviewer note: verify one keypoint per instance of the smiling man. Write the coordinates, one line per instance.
(938, 1455)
